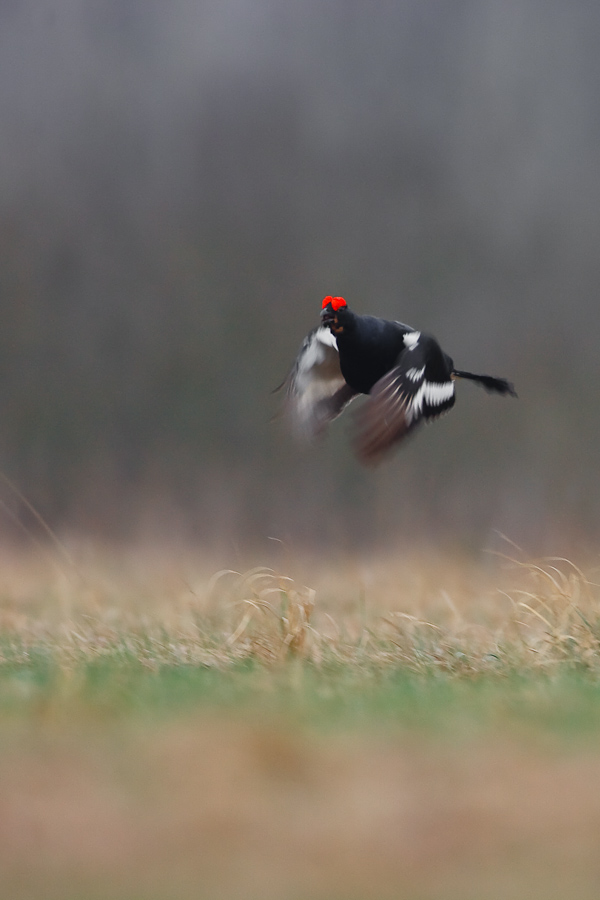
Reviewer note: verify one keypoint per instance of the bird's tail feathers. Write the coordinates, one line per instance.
(494, 385)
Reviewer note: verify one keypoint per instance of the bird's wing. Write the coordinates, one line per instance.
(418, 388)
(315, 389)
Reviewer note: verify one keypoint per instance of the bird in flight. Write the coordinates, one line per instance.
(407, 376)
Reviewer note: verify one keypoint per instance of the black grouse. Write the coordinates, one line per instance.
(408, 377)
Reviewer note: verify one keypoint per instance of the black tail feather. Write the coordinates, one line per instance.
(494, 385)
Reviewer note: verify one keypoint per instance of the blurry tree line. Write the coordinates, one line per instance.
(181, 186)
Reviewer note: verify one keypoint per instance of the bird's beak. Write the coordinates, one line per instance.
(328, 316)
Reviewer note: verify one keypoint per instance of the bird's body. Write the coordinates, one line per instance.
(368, 349)
(406, 374)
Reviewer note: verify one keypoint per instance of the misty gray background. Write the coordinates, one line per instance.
(182, 183)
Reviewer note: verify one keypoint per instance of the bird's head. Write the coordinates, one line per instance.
(334, 313)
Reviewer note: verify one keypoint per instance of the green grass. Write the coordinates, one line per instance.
(119, 687)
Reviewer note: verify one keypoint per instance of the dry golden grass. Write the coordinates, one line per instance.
(263, 799)
(421, 611)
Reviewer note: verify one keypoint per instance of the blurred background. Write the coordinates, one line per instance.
(181, 184)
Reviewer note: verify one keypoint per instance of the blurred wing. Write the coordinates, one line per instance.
(419, 388)
(315, 390)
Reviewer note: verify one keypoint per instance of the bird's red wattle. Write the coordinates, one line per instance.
(336, 302)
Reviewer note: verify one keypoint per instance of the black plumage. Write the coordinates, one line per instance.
(407, 376)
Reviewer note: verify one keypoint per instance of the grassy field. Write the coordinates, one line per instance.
(424, 726)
